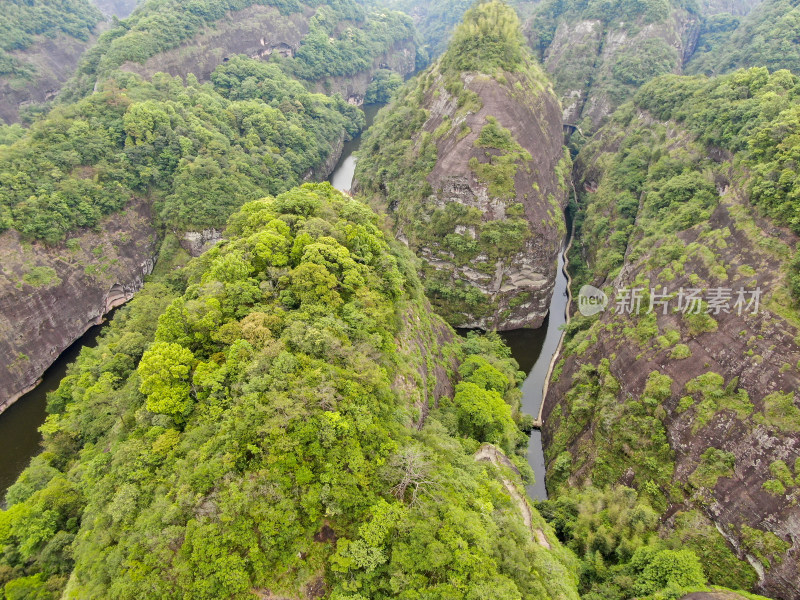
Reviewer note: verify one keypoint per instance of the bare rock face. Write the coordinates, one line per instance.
(488, 239)
(598, 65)
(256, 31)
(730, 393)
(116, 8)
(54, 61)
(401, 58)
(197, 242)
(49, 296)
(261, 32)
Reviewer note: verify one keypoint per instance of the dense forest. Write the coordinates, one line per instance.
(272, 449)
(291, 414)
(200, 151)
(767, 37)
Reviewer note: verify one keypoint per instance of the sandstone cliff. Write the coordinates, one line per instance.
(470, 167)
(257, 31)
(53, 61)
(264, 32)
(49, 296)
(597, 63)
(599, 57)
(698, 411)
(116, 8)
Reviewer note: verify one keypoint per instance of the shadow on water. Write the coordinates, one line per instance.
(20, 439)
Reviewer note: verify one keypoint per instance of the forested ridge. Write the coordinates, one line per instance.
(480, 100)
(767, 37)
(291, 415)
(200, 151)
(261, 444)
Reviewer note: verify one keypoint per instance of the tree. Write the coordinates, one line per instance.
(164, 370)
(483, 414)
(662, 569)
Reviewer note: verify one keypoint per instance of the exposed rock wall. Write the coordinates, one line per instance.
(197, 242)
(608, 367)
(259, 32)
(519, 285)
(598, 65)
(256, 31)
(49, 296)
(514, 284)
(116, 8)
(54, 61)
(401, 59)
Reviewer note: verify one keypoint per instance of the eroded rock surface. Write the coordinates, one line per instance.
(471, 170)
(699, 413)
(49, 296)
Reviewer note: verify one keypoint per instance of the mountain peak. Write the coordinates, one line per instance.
(488, 38)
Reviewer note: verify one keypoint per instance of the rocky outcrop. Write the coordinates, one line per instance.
(728, 411)
(597, 65)
(400, 59)
(516, 284)
(53, 61)
(471, 170)
(322, 171)
(49, 296)
(261, 32)
(426, 340)
(197, 242)
(116, 8)
(257, 31)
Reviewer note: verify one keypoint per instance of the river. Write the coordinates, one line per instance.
(19, 423)
(342, 176)
(533, 349)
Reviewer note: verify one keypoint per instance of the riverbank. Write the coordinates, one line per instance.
(20, 422)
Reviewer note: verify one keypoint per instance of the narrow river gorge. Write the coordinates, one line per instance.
(533, 349)
(20, 422)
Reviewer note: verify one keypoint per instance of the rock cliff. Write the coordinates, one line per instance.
(257, 31)
(696, 409)
(49, 296)
(262, 32)
(53, 61)
(469, 165)
(598, 62)
(116, 8)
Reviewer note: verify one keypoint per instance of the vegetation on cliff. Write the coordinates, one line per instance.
(200, 150)
(265, 444)
(687, 188)
(22, 21)
(344, 37)
(423, 127)
(599, 53)
(767, 37)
